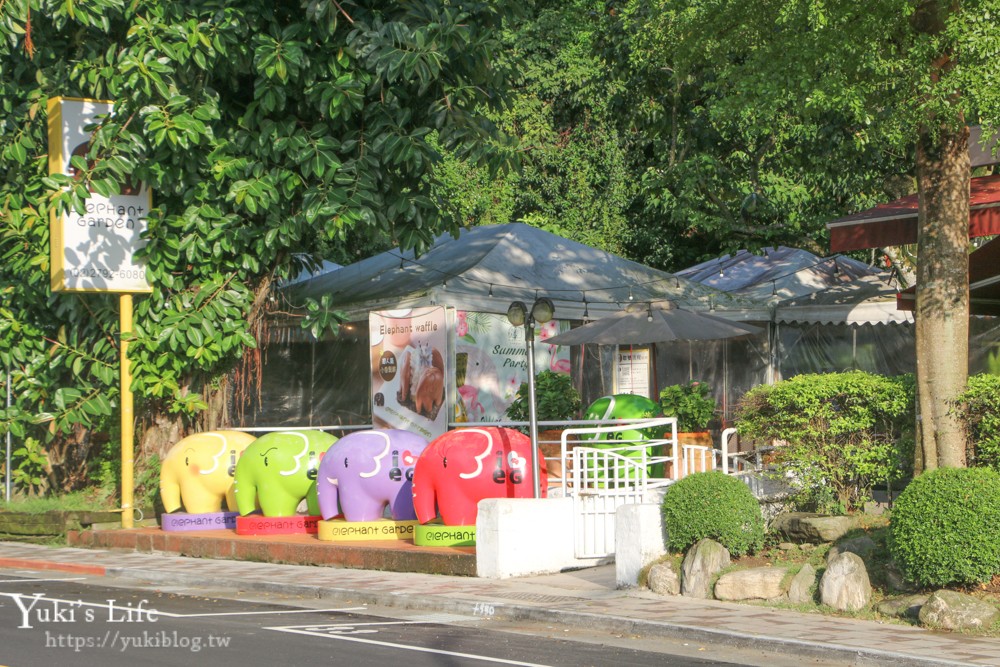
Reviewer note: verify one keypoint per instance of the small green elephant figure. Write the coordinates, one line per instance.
(278, 470)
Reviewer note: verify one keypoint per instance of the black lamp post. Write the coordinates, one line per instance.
(518, 314)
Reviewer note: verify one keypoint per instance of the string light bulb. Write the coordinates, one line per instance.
(491, 289)
(649, 313)
(630, 297)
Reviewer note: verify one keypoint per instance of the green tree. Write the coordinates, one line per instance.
(716, 176)
(572, 176)
(268, 132)
(906, 76)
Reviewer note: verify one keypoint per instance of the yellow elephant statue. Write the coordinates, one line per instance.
(199, 470)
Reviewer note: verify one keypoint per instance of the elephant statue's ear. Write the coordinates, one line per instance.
(296, 458)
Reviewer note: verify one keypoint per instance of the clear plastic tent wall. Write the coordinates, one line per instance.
(309, 382)
(322, 383)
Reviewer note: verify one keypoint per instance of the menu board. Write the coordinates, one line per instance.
(632, 376)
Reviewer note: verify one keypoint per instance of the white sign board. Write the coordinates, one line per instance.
(633, 372)
(93, 252)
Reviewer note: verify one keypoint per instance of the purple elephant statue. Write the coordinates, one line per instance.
(363, 472)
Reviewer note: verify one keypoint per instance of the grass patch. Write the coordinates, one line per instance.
(95, 499)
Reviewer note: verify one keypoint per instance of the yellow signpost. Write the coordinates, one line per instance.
(93, 251)
(128, 417)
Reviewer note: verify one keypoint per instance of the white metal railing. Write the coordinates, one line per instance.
(733, 462)
(652, 470)
(610, 467)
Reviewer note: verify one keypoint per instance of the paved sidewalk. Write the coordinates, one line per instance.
(584, 599)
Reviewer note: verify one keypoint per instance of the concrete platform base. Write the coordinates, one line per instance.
(394, 556)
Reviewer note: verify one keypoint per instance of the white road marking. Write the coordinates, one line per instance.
(338, 632)
(126, 607)
(264, 613)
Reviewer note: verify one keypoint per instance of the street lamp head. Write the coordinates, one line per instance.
(517, 313)
(542, 310)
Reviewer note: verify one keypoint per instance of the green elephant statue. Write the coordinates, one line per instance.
(626, 406)
(278, 470)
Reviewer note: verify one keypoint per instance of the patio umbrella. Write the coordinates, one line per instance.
(653, 325)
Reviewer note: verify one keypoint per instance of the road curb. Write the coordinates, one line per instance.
(514, 612)
(72, 568)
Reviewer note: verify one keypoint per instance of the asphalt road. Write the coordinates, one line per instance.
(67, 620)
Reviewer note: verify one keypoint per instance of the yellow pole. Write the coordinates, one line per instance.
(125, 317)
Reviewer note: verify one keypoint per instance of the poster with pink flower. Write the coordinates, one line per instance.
(491, 361)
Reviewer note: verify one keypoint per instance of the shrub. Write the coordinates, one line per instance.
(945, 527)
(979, 408)
(555, 399)
(840, 434)
(713, 505)
(692, 404)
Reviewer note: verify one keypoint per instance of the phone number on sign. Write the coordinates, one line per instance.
(139, 274)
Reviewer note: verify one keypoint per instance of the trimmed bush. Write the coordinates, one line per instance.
(840, 433)
(713, 505)
(979, 408)
(945, 527)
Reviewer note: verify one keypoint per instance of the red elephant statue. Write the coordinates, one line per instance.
(461, 467)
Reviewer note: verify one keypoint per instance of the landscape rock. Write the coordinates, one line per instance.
(756, 583)
(845, 584)
(952, 610)
(663, 579)
(896, 581)
(800, 589)
(812, 527)
(862, 546)
(904, 607)
(701, 563)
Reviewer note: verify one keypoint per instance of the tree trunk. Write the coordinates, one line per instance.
(216, 416)
(942, 292)
(160, 431)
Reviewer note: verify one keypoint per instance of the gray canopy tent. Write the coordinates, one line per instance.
(824, 314)
(485, 269)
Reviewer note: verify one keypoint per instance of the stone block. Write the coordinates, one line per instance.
(800, 589)
(756, 583)
(701, 563)
(845, 584)
(951, 610)
(663, 579)
(811, 527)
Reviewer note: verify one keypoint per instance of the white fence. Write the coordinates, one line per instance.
(602, 471)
